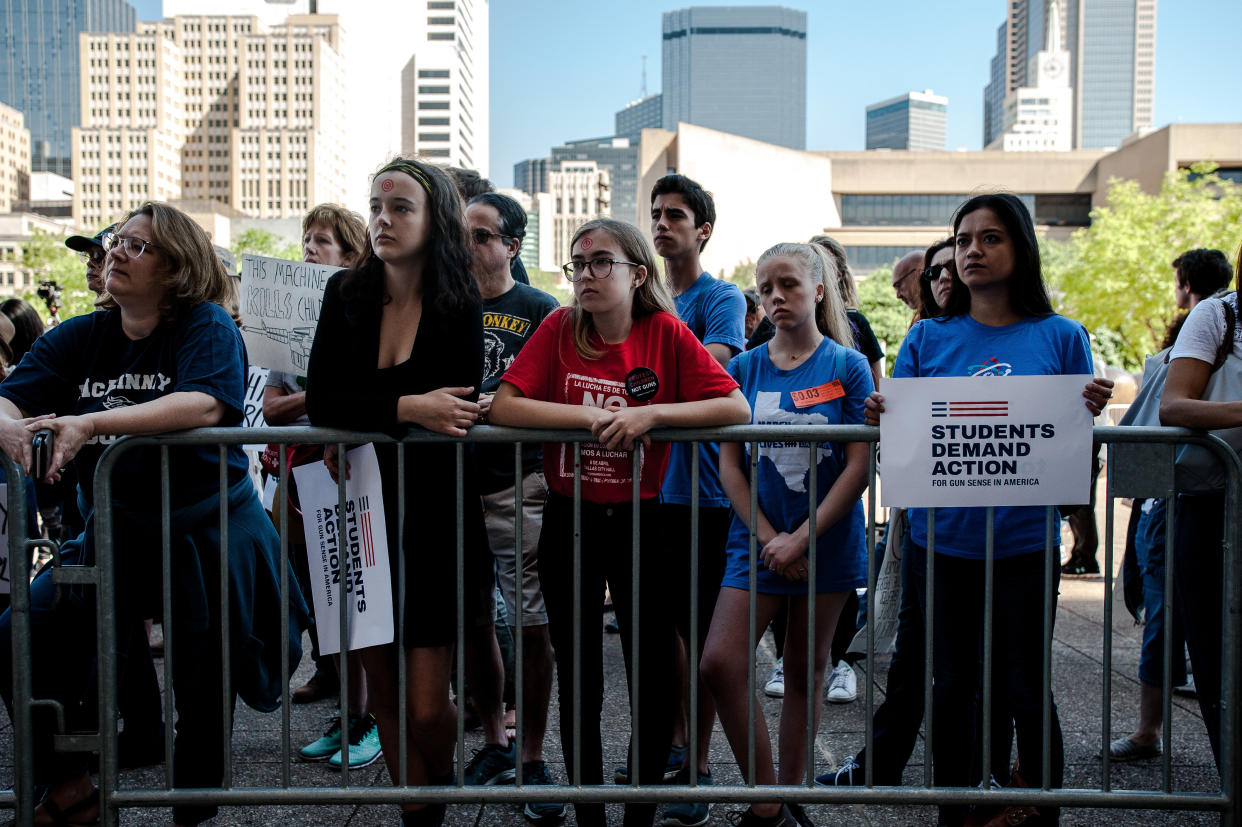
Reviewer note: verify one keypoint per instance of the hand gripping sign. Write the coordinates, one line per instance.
(1013, 440)
(360, 538)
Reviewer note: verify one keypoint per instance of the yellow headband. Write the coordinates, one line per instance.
(410, 170)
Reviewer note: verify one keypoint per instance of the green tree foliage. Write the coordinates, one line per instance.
(47, 258)
(1114, 276)
(257, 242)
(888, 316)
(551, 283)
(743, 274)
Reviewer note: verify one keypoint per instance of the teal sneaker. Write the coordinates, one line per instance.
(322, 748)
(364, 743)
(687, 813)
(540, 812)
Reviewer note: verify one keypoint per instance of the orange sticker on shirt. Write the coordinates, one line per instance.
(820, 393)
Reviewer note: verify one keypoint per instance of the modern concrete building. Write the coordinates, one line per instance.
(14, 158)
(444, 88)
(16, 230)
(212, 108)
(644, 113)
(51, 195)
(1112, 48)
(531, 176)
(882, 204)
(737, 69)
(579, 191)
(39, 67)
(915, 121)
(616, 156)
(1039, 117)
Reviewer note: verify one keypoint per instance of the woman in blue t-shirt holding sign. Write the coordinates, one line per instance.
(808, 374)
(1002, 324)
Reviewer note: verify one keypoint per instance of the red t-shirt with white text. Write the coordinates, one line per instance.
(661, 361)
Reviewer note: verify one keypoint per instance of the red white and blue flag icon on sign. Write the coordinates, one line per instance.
(973, 409)
(368, 539)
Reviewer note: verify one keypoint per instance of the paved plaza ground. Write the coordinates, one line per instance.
(1077, 657)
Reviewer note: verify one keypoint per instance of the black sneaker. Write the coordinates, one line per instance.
(535, 773)
(491, 765)
(849, 774)
(800, 815)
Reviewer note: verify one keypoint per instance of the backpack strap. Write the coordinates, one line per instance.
(1226, 345)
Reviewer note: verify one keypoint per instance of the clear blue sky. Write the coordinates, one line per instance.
(561, 68)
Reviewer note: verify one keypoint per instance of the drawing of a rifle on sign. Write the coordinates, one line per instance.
(280, 303)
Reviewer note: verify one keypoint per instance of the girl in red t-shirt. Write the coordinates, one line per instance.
(618, 362)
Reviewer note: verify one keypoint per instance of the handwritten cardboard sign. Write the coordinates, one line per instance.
(1012, 440)
(280, 303)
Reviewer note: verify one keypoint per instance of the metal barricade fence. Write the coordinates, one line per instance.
(1140, 464)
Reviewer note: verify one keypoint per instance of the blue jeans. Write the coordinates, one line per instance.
(1149, 549)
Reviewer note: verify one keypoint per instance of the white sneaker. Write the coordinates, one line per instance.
(774, 687)
(842, 685)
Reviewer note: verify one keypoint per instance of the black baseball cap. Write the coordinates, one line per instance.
(87, 245)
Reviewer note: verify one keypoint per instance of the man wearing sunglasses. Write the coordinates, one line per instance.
(511, 313)
(92, 251)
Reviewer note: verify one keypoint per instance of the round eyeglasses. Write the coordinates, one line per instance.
(134, 247)
(601, 268)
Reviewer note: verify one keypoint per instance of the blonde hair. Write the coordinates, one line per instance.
(652, 296)
(345, 224)
(819, 267)
(845, 276)
(193, 274)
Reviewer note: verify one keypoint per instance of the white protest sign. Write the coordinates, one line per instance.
(969, 441)
(363, 541)
(887, 592)
(4, 538)
(252, 414)
(280, 303)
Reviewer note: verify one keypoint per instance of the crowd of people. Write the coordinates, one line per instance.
(431, 323)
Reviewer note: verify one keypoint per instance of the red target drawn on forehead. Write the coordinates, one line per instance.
(586, 243)
(387, 185)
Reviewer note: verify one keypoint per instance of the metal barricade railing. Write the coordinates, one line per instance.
(1140, 464)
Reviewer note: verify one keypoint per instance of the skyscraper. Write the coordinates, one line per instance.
(1111, 46)
(915, 120)
(644, 113)
(1039, 117)
(618, 157)
(212, 108)
(738, 69)
(531, 176)
(39, 67)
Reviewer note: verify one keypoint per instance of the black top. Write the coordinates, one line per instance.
(345, 389)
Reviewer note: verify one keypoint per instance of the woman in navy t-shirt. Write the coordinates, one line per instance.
(162, 354)
(1001, 324)
(808, 374)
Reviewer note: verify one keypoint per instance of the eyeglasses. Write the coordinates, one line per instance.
(134, 247)
(482, 236)
(933, 273)
(93, 257)
(601, 268)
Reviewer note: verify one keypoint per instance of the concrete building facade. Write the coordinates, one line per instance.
(915, 121)
(616, 156)
(16, 230)
(737, 69)
(445, 89)
(882, 204)
(39, 67)
(578, 192)
(212, 108)
(14, 158)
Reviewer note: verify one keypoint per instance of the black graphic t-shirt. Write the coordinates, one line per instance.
(509, 320)
(87, 364)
